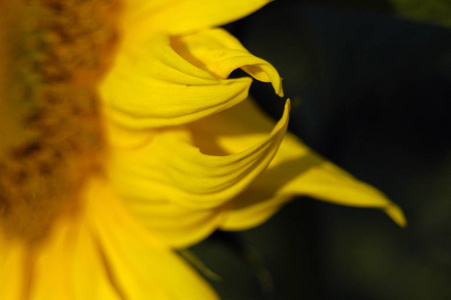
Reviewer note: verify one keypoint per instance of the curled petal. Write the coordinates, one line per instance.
(183, 16)
(295, 170)
(177, 190)
(181, 173)
(150, 85)
(220, 53)
(304, 173)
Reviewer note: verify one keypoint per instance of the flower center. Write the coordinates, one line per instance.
(52, 138)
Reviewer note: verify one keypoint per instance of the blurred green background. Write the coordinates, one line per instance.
(371, 86)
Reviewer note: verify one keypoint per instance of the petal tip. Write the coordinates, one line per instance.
(288, 104)
(396, 214)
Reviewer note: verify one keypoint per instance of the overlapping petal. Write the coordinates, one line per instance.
(142, 263)
(220, 53)
(180, 172)
(176, 188)
(180, 226)
(151, 86)
(187, 156)
(70, 265)
(303, 174)
(295, 170)
(185, 16)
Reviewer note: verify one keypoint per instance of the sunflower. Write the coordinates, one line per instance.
(124, 138)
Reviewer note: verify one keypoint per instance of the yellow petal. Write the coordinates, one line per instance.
(63, 266)
(171, 167)
(179, 226)
(220, 53)
(70, 266)
(14, 270)
(304, 173)
(144, 267)
(183, 16)
(150, 85)
(101, 253)
(177, 190)
(295, 170)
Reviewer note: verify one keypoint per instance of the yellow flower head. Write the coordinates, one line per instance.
(123, 138)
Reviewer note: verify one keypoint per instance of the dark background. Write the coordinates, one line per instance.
(370, 83)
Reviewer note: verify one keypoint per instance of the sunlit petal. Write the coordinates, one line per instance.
(220, 53)
(15, 270)
(178, 171)
(70, 266)
(303, 174)
(101, 253)
(139, 260)
(150, 85)
(295, 170)
(183, 16)
(181, 192)
(179, 226)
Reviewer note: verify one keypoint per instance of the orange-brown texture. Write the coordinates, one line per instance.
(54, 53)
